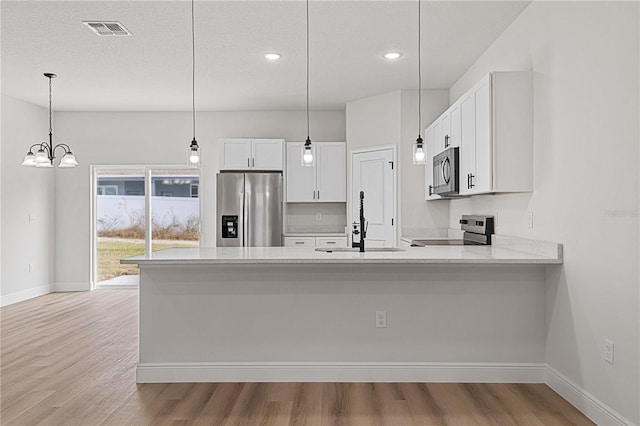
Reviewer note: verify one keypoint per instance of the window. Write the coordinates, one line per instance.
(166, 193)
(107, 189)
(194, 190)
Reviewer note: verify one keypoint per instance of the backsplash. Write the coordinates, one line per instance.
(315, 217)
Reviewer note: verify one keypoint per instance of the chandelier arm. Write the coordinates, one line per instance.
(65, 147)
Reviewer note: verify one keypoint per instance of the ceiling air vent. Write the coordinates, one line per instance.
(107, 28)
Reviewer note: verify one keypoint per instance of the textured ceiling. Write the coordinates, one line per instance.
(152, 69)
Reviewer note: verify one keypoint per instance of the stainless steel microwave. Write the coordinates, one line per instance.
(446, 172)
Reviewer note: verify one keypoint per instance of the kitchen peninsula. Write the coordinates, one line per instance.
(469, 313)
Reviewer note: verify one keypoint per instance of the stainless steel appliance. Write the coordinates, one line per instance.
(249, 209)
(478, 230)
(445, 172)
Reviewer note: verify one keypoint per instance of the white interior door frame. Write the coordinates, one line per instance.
(394, 150)
(93, 240)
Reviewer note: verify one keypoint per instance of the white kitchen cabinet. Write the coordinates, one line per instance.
(496, 151)
(317, 241)
(325, 181)
(492, 123)
(251, 154)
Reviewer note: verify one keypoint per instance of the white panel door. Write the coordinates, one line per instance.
(266, 154)
(301, 180)
(373, 173)
(235, 154)
(331, 172)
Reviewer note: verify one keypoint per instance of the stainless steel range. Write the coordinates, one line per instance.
(478, 230)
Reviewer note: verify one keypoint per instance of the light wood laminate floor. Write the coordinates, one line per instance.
(69, 359)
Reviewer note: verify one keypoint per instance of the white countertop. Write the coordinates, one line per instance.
(296, 255)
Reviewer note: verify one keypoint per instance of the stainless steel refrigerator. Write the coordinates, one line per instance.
(249, 209)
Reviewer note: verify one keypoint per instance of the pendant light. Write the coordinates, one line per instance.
(194, 149)
(307, 154)
(46, 150)
(418, 148)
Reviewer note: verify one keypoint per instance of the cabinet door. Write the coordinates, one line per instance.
(301, 180)
(331, 172)
(482, 180)
(235, 154)
(467, 142)
(455, 126)
(266, 154)
(438, 137)
(428, 167)
(446, 130)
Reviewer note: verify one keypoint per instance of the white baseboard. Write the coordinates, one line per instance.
(339, 372)
(588, 404)
(71, 286)
(20, 296)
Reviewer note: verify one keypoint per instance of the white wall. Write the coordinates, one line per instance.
(416, 213)
(585, 61)
(102, 138)
(392, 118)
(25, 191)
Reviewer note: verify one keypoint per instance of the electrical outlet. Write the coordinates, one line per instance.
(608, 351)
(32, 218)
(318, 216)
(381, 319)
(530, 220)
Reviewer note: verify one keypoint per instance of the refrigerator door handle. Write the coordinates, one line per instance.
(245, 219)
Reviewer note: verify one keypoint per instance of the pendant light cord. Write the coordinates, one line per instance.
(419, 70)
(308, 131)
(193, 70)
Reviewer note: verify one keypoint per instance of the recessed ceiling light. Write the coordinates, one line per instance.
(392, 55)
(272, 56)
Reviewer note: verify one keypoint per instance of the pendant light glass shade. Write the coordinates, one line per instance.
(68, 160)
(307, 154)
(42, 159)
(29, 159)
(419, 156)
(194, 154)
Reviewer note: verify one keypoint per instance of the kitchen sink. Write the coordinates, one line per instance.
(356, 249)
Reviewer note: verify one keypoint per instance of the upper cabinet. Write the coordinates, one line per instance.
(251, 154)
(324, 181)
(492, 124)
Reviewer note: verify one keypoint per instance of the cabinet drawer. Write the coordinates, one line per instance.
(309, 242)
(328, 242)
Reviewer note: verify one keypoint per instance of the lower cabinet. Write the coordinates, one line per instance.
(315, 242)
